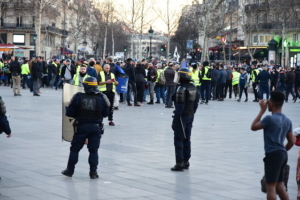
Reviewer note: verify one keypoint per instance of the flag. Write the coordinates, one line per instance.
(176, 54)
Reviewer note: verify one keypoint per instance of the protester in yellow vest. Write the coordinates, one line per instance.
(253, 77)
(206, 83)
(160, 86)
(54, 72)
(235, 81)
(25, 72)
(107, 85)
(79, 77)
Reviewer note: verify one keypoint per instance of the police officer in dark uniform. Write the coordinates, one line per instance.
(187, 99)
(88, 109)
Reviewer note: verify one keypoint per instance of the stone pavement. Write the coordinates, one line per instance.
(136, 155)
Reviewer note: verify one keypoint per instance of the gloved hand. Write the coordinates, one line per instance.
(173, 126)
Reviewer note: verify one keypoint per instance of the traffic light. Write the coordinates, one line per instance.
(125, 47)
(163, 47)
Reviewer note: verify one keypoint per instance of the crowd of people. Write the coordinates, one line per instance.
(215, 81)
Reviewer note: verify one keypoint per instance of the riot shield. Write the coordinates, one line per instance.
(67, 122)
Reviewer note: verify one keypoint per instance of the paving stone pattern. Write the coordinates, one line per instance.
(136, 155)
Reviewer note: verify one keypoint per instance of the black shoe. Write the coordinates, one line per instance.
(68, 172)
(178, 167)
(202, 102)
(116, 108)
(36, 95)
(150, 103)
(238, 100)
(255, 100)
(157, 102)
(169, 106)
(186, 165)
(221, 100)
(295, 100)
(246, 100)
(93, 174)
(15, 95)
(19, 95)
(206, 103)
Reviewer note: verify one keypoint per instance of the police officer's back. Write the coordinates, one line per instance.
(88, 109)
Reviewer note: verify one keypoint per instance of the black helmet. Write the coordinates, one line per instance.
(184, 74)
(90, 85)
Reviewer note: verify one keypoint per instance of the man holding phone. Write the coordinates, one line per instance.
(107, 85)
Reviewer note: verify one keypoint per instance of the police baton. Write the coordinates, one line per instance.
(182, 128)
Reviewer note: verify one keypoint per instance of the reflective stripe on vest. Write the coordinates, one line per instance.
(235, 78)
(195, 77)
(102, 88)
(206, 68)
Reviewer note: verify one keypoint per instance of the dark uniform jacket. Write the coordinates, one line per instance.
(15, 68)
(4, 125)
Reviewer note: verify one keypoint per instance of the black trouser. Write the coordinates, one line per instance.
(140, 91)
(131, 86)
(205, 87)
(221, 87)
(242, 88)
(273, 85)
(214, 89)
(288, 90)
(45, 81)
(297, 86)
(111, 97)
(256, 96)
(236, 90)
(228, 85)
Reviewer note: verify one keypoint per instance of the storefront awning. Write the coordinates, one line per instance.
(8, 47)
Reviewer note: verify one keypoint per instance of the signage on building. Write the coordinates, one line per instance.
(19, 52)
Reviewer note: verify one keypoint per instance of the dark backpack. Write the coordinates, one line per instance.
(285, 180)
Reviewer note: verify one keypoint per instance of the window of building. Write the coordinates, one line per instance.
(268, 38)
(31, 40)
(295, 38)
(53, 24)
(19, 39)
(255, 39)
(19, 21)
(262, 39)
(3, 38)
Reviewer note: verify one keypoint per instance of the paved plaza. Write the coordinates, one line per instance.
(136, 155)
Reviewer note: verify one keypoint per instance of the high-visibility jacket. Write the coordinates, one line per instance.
(102, 87)
(76, 78)
(195, 77)
(252, 76)
(25, 69)
(159, 72)
(235, 78)
(77, 68)
(1, 65)
(206, 68)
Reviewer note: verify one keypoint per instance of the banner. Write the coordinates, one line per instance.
(189, 44)
(19, 53)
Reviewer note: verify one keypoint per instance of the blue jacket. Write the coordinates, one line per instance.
(92, 72)
(222, 76)
(263, 77)
(215, 74)
(4, 125)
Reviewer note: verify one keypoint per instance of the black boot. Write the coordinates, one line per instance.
(150, 103)
(186, 165)
(178, 167)
(68, 172)
(93, 174)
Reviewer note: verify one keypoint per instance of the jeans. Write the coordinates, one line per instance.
(160, 93)
(213, 89)
(221, 90)
(281, 87)
(35, 86)
(92, 132)
(264, 88)
(131, 87)
(111, 98)
(242, 88)
(254, 85)
(151, 89)
(58, 81)
(25, 81)
(170, 92)
(288, 90)
(140, 91)
(228, 86)
(146, 92)
(205, 87)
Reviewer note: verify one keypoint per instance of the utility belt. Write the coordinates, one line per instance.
(76, 124)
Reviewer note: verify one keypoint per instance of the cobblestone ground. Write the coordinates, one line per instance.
(136, 154)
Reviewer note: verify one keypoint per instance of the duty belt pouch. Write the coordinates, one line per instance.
(75, 125)
(101, 125)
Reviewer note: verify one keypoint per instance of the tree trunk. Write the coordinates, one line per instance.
(224, 53)
(113, 43)
(282, 47)
(105, 40)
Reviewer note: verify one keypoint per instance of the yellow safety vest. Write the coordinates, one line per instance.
(1, 65)
(206, 68)
(235, 78)
(159, 72)
(253, 76)
(25, 69)
(195, 77)
(76, 78)
(103, 88)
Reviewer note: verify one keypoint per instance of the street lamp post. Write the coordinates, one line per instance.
(150, 36)
(34, 38)
(84, 44)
